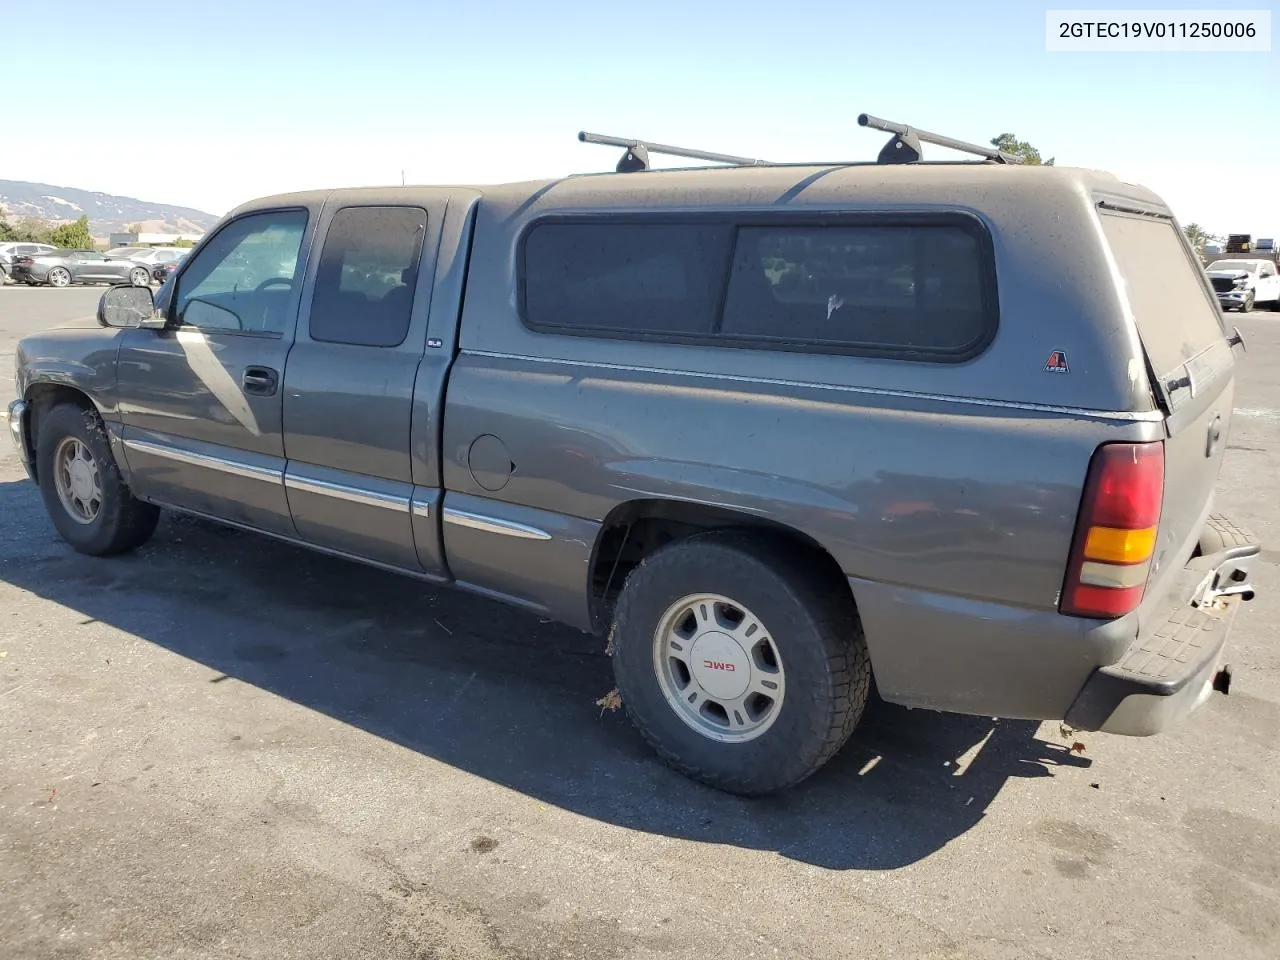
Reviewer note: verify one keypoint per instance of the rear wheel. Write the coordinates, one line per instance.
(741, 663)
(83, 490)
(139, 277)
(59, 277)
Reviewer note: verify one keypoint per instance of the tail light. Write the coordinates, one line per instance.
(1116, 531)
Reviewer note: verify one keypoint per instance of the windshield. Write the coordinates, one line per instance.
(1234, 265)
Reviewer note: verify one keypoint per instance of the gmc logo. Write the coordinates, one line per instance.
(719, 665)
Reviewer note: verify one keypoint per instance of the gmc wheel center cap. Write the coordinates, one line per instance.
(81, 480)
(720, 666)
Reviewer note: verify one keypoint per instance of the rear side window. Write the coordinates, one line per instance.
(901, 288)
(920, 290)
(628, 278)
(367, 274)
(1175, 315)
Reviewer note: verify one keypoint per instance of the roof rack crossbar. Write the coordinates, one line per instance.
(637, 153)
(905, 145)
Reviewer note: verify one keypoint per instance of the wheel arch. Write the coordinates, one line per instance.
(42, 397)
(634, 529)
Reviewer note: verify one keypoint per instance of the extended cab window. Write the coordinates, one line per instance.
(367, 274)
(243, 279)
(625, 277)
(1176, 318)
(903, 288)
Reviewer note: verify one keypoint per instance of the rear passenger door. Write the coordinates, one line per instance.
(349, 385)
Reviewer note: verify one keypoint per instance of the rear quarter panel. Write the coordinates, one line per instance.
(947, 493)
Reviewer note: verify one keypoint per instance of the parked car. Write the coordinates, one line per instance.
(168, 265)
(8, 251)
(1243, 283)
(152, 257)
(61, 268)
(126, 253)
(958, 448)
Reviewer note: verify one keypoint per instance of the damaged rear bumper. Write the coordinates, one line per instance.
(1173, 667)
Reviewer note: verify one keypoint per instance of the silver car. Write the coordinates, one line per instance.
(12, 250)
(61, 268)
(150, 257)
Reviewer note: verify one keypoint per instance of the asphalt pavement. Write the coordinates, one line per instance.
(221, 746)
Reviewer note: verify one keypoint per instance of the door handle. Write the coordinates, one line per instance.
(259, 381)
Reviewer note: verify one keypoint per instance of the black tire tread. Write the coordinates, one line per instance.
(839, 631)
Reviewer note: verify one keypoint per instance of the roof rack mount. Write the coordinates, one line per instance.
(637, 153)
(903, 148)
(905, 145)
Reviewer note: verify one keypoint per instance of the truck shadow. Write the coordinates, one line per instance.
(495, 692)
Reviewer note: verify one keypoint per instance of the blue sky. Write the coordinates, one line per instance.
(236, 99)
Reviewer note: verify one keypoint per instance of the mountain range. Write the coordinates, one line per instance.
(107, 213)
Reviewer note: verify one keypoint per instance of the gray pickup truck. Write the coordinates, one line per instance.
(771, 429)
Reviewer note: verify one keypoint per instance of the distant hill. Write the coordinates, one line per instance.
(107, 213)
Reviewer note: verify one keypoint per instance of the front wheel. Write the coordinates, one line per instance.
(59, 277)
(84, 492)
(741, 663)
(139, 277)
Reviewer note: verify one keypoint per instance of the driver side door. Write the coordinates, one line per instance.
(202, 400)
(86, 265)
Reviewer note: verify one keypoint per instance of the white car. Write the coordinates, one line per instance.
(1241, 283)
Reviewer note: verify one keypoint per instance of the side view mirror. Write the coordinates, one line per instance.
(129, 306)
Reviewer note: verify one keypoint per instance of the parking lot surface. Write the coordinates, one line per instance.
(226, 747)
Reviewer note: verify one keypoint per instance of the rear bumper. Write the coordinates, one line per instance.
(1170, 669)
(18, 431)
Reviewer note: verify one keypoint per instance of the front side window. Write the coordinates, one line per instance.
(243, 279)
(367, 274)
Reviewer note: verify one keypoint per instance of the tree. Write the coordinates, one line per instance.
(1199, 237)
(26, 230)
(73, 236)
(1010, 144)
(184, 242)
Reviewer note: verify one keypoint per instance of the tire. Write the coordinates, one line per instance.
(120, 523)
(139, 277)
(817, 661)
(58, 277)
(1247, 306)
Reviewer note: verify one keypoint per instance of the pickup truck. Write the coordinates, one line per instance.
(1242, 283)
(768, 430)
